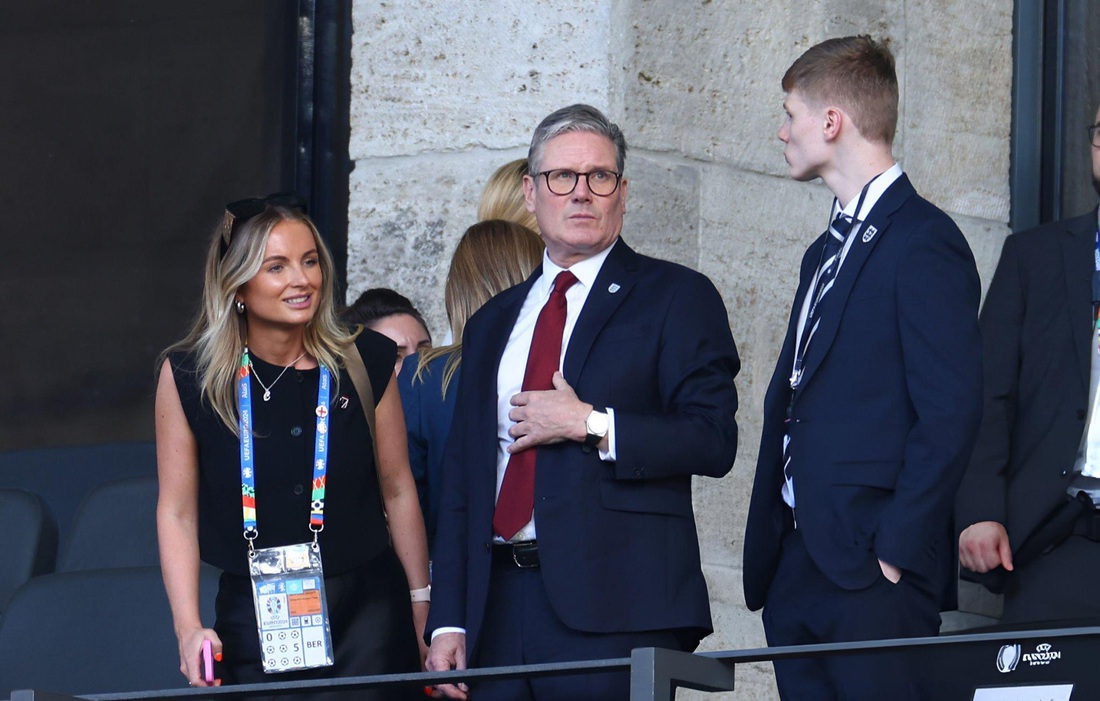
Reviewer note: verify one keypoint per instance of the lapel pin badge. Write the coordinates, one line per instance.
(613, 288)
(869, 234)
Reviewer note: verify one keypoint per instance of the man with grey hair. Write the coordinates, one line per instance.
(590, 395)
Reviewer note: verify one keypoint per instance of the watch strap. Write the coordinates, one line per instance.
(591, 439)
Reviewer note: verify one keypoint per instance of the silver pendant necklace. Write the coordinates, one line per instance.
(267, 388)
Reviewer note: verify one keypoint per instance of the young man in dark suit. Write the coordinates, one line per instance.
(589, 396)
(1042, 368)
(872, 410)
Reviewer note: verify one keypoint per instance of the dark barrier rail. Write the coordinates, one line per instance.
(995, 666)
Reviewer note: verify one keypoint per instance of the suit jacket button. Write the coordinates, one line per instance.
(1080, 414)
(488, 546)
(299, 489)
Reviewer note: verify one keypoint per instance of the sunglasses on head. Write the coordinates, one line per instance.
(236, 213)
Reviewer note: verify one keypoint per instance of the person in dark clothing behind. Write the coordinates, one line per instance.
(393, 315)
(1039, 443)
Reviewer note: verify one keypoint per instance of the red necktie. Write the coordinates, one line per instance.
(516, 501)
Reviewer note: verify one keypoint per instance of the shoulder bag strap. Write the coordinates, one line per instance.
(357, 371)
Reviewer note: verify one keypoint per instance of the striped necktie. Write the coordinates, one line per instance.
(830, 262)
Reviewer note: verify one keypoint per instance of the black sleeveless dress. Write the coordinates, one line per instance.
(367, 591)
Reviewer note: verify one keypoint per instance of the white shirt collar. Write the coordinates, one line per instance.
(585, 270)
(878, 186)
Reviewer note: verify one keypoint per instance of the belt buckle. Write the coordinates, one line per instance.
(519, 553)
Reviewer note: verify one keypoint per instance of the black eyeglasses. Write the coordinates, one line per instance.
(1094, 135)
(236, 213)
(600, 182)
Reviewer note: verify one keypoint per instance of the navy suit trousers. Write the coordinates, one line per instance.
(522, 628)
(805, 607)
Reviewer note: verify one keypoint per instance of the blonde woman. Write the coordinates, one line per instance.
(268, 330)
(490, 257)
(502, 197)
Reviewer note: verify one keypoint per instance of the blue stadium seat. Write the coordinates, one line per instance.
(28, 540)
(64, 476)
(94, 632)
(115, 527)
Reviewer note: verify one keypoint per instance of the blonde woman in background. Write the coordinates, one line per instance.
(490, 257)
(502, 197)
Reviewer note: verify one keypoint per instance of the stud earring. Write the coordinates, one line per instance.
(240, 307)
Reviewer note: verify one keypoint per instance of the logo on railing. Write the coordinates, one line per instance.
(1043, 655)
(1008, 658)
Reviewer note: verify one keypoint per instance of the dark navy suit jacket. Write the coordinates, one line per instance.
(617, 540)
(884, 419)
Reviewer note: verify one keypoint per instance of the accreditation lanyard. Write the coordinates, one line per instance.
(805, 331)
(248, 458)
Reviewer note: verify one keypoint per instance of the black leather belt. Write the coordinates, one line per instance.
(524, 555)
(1088, 525)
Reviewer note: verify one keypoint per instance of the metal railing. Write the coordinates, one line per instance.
(655, 673)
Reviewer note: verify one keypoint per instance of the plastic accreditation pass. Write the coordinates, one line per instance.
(288, 590)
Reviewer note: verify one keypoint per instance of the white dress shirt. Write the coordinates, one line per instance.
(1088, 454)
(513, 364)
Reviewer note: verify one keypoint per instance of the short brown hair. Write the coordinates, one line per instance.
(855, 73)
(377, 303)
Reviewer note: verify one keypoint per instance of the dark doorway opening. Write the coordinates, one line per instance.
(126, 126)
(1055, 95)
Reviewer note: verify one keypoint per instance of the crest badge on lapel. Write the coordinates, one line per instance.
(869, 234)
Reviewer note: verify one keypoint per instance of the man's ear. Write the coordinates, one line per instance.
(529, 193)
(834, 119)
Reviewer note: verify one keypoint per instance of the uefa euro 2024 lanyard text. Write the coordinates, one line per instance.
(288, 585)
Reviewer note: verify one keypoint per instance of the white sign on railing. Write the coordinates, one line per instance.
(1044, 692)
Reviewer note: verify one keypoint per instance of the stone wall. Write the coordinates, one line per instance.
(445, 91)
